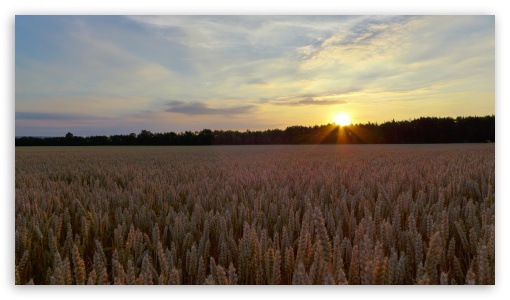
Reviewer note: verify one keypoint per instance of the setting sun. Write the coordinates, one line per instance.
(342, 119)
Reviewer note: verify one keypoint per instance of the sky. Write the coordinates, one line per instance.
(105, 75)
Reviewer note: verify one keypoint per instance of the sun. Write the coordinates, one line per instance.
(342, 119)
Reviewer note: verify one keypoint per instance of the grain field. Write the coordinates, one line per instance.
(325, 214)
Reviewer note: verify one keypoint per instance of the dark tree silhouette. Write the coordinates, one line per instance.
(425, 130)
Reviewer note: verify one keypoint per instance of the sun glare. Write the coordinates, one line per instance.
(342, 119)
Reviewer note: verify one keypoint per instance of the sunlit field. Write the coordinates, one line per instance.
(324, 214)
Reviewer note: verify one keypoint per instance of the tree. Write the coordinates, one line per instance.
(145, 137)
(205, 137)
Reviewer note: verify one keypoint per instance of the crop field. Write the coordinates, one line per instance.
(323, 214)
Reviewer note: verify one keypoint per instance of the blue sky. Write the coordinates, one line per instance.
(95, 75)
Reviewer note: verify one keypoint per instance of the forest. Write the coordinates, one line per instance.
(424, 130)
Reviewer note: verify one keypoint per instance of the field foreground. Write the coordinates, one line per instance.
(359, 214)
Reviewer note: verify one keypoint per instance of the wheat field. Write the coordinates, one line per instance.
(316, 214)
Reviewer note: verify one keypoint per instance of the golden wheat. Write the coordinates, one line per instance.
(360, 214)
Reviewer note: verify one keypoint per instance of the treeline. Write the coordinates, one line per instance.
(425, 130)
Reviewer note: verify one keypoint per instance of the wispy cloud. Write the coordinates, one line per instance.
(198, 108)
(260, 67)
(311, 101)
(52, 116)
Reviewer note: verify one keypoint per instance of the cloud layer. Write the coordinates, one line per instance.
(198, 108)
(249, 71)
